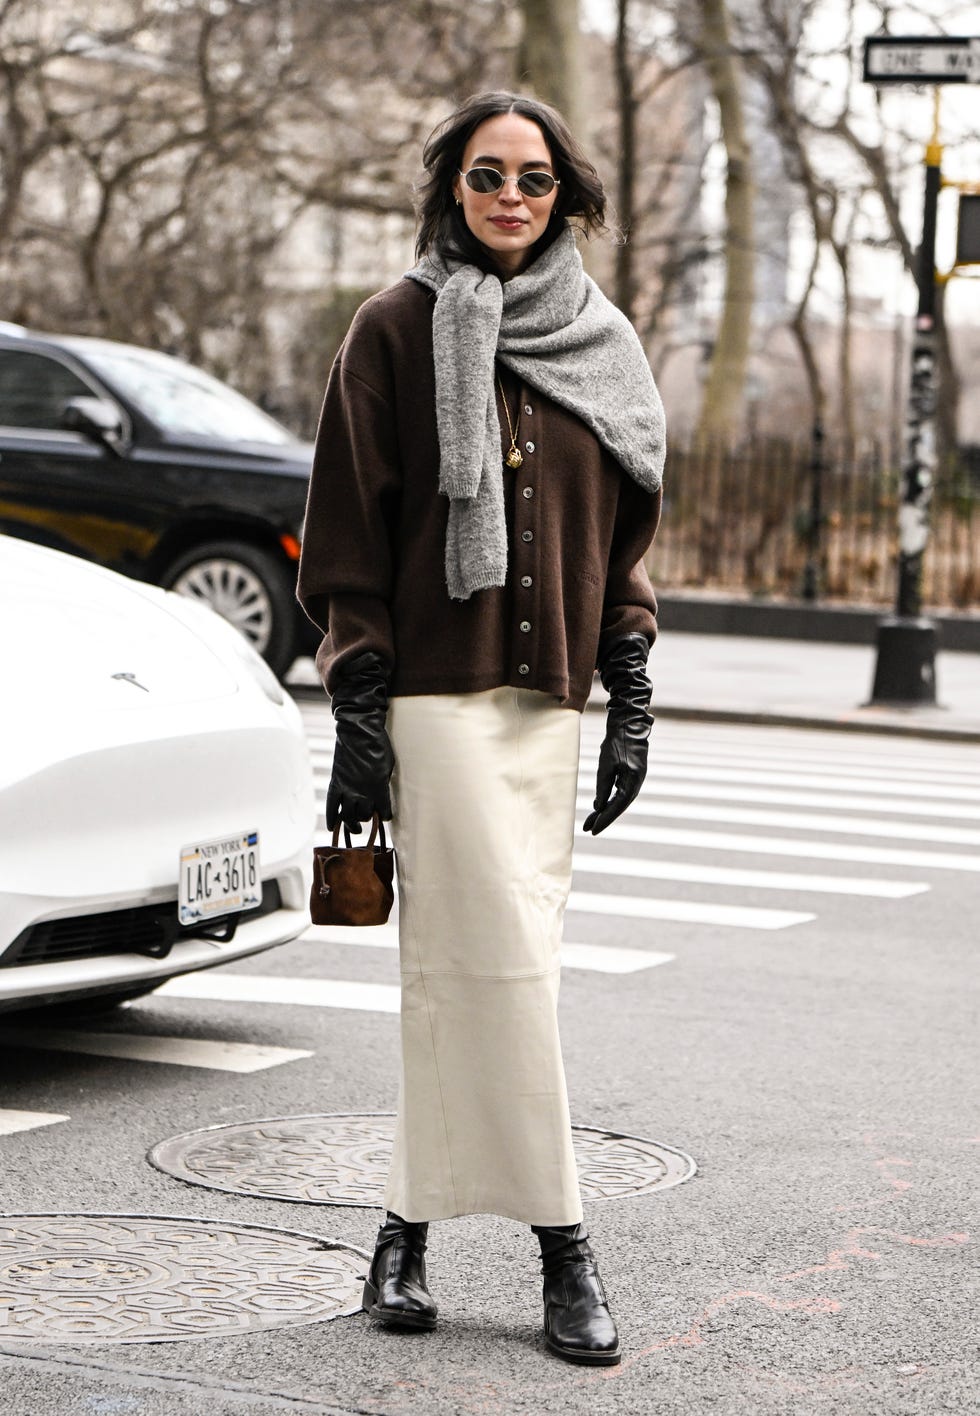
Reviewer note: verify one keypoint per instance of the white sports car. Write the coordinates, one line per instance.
(156, 797)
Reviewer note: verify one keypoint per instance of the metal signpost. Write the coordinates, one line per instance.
(906, 665)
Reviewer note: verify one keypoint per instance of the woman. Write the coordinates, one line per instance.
(485, 484)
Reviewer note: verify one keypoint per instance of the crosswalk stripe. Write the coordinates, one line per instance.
(386, 936)
(926, 781)
(662, 771)
(780, 845)
(785, 738)
(604, 958)
(751, 758)
(644, 907)
(686, 911)
(765, 759)
(800, 821)
(372, 936)
(589, 864)
(11, 1121)
(599, 958)
(810, 786)
(658, 789)
(263, 988)
(173, 1051)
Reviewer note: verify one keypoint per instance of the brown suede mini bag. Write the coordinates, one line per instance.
(353, 885)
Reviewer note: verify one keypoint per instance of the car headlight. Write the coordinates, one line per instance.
(257, 667)
(211, 625)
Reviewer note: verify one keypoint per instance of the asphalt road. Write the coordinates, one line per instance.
(813, 1050)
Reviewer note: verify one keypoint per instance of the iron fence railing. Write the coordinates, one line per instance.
(745, 519)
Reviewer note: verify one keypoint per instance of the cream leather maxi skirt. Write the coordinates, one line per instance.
(484, 805)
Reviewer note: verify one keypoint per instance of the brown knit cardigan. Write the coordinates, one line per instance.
(372, 569)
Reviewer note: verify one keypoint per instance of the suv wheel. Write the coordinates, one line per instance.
(249, 588)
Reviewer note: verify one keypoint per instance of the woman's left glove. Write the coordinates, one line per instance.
(363, 759)
(623, 755)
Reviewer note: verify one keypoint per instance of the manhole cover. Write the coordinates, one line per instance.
(343, 1160)
(124, 1278)
(611, 1166)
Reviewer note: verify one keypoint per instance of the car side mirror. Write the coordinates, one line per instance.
(95, 418)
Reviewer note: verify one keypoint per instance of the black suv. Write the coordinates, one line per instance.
(152, 467)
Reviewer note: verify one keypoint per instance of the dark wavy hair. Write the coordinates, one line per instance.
(442, 225)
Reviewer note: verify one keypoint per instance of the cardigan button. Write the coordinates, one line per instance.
(524, 668)
(528, 409)
(526, 581)
(525, 626)
(527, 535)
(529, 446)
(527, 493)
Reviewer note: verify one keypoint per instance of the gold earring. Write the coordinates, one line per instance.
(458, 202)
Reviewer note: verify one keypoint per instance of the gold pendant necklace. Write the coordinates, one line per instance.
(514, 456)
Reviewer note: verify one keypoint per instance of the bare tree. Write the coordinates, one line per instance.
(721, 408)
(852, 170)
(549, 59)
(156, 162)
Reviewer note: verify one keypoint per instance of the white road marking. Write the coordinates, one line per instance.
(744, 879)
(805, 756)
(666, 783)
(770, 756)
(173, 1051)
(666, 809)
(658, 790)
(686, 911)
(766, 777)
(745, 739)
(375, 936)
(780, 845)
(804, 821)
(263, 988)
(597, 957)
(705, 756)
(695, 773)
(601, 958)
(11, 1121)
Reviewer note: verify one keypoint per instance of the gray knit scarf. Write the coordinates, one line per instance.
(556, 330)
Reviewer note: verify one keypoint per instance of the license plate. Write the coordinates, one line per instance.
(219, 877)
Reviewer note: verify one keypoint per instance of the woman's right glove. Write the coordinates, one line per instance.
(623, 755)
(363, 758)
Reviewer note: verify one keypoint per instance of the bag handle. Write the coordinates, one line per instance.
(377, 826)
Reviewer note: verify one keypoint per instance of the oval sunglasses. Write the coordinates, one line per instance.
(530, 184)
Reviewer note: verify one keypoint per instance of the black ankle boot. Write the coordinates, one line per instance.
(577, 1323)
(395, 1290)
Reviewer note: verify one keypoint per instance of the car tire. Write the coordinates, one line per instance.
(249, 588)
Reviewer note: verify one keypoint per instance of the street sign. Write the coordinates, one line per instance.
(968, 230)
(929, 59)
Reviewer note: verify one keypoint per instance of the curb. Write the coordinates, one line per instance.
(796, 619)
(756, 718)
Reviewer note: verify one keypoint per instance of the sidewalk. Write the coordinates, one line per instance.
(801, 683)
(787, 682)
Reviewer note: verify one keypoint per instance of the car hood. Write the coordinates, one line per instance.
(82, 641)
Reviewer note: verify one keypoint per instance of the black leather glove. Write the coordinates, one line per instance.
(363, 758)
(623, 755)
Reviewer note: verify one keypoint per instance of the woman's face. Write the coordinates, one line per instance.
(505, 221)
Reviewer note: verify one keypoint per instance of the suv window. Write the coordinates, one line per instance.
(34, 390)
